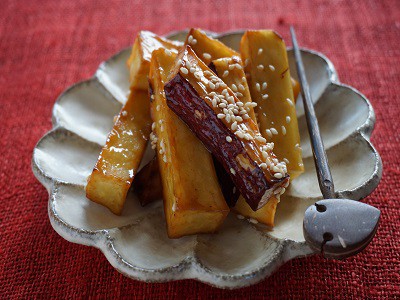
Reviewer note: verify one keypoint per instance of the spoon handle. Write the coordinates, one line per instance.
(321, 161)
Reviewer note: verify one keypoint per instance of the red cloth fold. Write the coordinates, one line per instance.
(45, 46)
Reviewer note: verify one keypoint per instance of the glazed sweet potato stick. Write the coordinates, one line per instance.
(212, 111)
(139, 61)
(193, 201)
(121, 155)
(266, 63)
(207, 48)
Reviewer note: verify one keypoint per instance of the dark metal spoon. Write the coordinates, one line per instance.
(338, 228)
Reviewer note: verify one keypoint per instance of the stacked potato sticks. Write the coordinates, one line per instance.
(223, 125)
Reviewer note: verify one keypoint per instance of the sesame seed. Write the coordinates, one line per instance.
(124, 113)
(188, 64)
(248, 137)
(152, 97)
(260, 50)
(241, 87)
(158, 107)
(239, 94)
(253, 221)
(190, 38)
(264, 154)
(240, 217)
(232, 171)
(246, 117)
(288, 119)
(184, 70)
(260, 139)
(238, 66)
(244, 79)
(278, 175)
(228, 118)
(228, 139)
(250, 104)
(282, 191)
(226, 73)
(260, 67)
(192, 70)
(263, 166)
(234, 87)
(258, 87)
(221, 116)
(271, 67)
(283, 130)
(268, 132)
(206, 55)
(273, 130)
(239, 103)
(231, 67)
(265, 96)
(168, 52)
(240, 134)
(239, 119)
(289, 101)
(211, 85)
(164, 159)
(222, 105)
(264, 85)
(194, 42)
(234, 126)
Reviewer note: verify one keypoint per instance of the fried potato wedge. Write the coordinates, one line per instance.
(270, 83)
(212, 111)
(121, 155)
(193, 200)
(139, 61)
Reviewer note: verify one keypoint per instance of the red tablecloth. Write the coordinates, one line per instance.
(45, 46)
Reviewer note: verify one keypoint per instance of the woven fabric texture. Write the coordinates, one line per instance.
(45, 46)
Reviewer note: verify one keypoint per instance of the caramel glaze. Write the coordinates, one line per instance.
(251, 181)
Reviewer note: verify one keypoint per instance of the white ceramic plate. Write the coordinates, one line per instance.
(241, 254)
